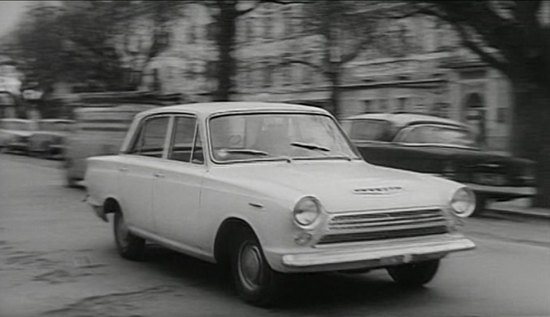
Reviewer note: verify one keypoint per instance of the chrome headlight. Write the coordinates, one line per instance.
(306, 211)
(463, 202)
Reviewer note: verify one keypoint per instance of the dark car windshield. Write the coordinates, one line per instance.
(277, 136)
(437, 134)
(368, 129)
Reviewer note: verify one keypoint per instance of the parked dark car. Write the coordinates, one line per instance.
(442, 147)
(15, 134)
(50, 138)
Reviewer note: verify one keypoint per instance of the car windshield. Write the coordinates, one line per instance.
(439, 134)
(246, 137)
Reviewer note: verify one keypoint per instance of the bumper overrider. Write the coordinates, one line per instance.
(370, 254)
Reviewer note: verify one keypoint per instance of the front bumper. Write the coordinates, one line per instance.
(503, 191)
(371, 255)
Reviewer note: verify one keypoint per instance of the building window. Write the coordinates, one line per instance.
(401, 105)
(191, 34)
(256, 75)
(367, 106)
(383, 105)
(297, 20)
(267, 75)
(211, 31)
(307, 71)
(248, 30)
(502, 115)
(268, 25)
(288, 22)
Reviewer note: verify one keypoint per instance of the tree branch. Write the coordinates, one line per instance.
(476, 48)
(318, 68)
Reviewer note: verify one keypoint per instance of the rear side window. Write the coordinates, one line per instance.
(182, 141)
(368, 130)
(150, 141)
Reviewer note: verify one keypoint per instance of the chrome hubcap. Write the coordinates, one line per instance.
(250, 266)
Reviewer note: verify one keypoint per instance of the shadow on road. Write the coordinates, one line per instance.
(304, 293)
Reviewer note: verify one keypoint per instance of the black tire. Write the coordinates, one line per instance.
(414, 274)
(71, 182)
(253, 278)
(128, 245)
(481, 205)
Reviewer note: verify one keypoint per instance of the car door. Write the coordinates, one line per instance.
(138, 171)
(177, 187)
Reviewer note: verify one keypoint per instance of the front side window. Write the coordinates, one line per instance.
(368, 130)
(150, 141)
(437, 134)
(277, 136)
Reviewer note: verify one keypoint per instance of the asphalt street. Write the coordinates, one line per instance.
(58, 259)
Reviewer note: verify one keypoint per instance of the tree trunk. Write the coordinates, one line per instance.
(334, 106)
(225, 41)
(531, 134)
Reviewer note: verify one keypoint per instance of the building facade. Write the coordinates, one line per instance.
(428, 73)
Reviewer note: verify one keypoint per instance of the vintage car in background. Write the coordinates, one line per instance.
(15, 134)
(49, 140)
(443, 147)
(97, 131)
(101, 122)
(267, 189)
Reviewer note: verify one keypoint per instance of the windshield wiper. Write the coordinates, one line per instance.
(246, 151)
(310, 146)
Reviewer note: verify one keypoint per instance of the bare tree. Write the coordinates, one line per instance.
(225, 14)
(513, 37)
(347, 29)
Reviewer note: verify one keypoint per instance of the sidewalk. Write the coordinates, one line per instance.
(519, 207)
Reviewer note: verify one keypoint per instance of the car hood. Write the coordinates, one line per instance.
(466, 154)
(342, 186)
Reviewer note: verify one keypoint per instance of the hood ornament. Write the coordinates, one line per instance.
(386, 190)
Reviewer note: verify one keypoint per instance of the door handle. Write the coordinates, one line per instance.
(158, 175)
(123, 169)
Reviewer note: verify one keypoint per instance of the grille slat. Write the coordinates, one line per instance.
(381, 235)
(439, 220)
(387, 220)
(387, 224)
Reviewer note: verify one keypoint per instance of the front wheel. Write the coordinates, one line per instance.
(254, 280)
(481, 205)
(414, 274)
(128, 245)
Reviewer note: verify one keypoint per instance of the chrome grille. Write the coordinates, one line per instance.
(379, 225)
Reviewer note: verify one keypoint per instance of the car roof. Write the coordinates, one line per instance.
(208, 108)
(404, 119)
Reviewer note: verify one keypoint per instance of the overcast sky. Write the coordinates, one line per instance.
(10, 12)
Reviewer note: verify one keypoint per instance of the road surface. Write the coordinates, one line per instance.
(58, 259)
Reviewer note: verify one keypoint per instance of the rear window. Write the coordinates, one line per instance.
(368, 130)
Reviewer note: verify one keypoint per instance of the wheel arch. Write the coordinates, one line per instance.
(225, 238)
(110, 205)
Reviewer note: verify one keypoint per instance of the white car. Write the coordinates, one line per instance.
(269, 189)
